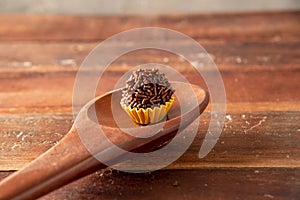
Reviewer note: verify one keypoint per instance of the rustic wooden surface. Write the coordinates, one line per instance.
(258, 54)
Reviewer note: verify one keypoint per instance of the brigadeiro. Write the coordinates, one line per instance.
(148, 96)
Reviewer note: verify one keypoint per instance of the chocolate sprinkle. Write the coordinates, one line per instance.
(147, 88)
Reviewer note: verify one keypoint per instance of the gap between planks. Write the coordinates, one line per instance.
(249, 139)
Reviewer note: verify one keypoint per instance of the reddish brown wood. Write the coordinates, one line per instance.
(240, 145)
(241, 183)
(70, 160)
(218, 183)
(223, 27)
(51, 92)
(257, 53)
(67, 56)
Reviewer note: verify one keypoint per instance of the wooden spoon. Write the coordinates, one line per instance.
(70, 160)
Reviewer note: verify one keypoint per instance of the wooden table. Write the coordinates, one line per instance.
(258, 54)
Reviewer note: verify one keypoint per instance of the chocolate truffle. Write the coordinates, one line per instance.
(148, 96)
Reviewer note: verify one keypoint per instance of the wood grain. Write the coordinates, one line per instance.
(260, 55)
(249, 139)
(51, 92)
(223, 27)
(221, 183)
(72, 159)
(257, 155)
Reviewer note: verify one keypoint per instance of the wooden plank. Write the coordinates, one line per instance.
(249, 139)
(51, 92)
(270, 27)
(245, 183)
(237, 55)
(29, 136)
(257, 155)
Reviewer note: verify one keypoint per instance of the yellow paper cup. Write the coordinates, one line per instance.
(149, 115)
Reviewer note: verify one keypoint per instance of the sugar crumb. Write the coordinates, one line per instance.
(269, 196)
(228, 117)
(238, 60)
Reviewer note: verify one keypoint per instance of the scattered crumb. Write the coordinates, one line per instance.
(19, 64)
(101, 174)
(269, 196)
(228, 117)
(23, 137)
(222, 142)
(78, 47)
(287, 155)
(68, 62)
(256, 125)
(224, 152)
(238, 60)
(112, 181)
(166, 59)
(58, 134)
(20, 134)
(15, 146)
(256, 171)
(48, 142)
(243, 116)
(205, 185)
(175, 184)
(27, 64)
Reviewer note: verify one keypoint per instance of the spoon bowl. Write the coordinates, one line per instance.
(70, 159)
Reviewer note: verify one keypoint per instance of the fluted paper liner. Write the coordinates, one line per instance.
(149, 115)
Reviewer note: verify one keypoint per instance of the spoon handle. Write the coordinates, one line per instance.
(62, 164)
